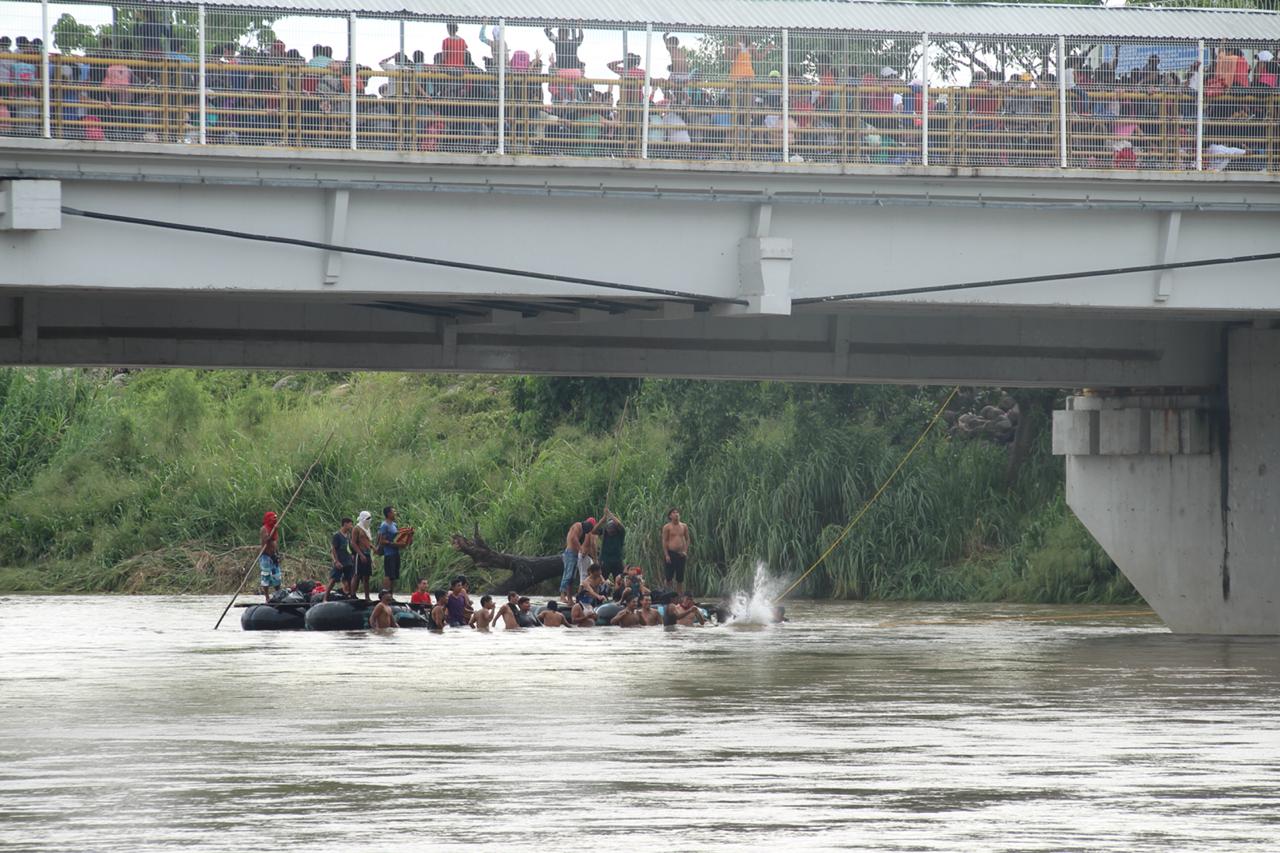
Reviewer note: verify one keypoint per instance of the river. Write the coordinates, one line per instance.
(129, 725)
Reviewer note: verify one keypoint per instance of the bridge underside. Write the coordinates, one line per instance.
(862, 343)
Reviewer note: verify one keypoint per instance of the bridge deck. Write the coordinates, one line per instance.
(160, 74)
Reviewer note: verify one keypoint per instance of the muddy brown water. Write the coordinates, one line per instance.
(129, 725)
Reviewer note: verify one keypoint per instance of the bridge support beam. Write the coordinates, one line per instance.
(1183, 492)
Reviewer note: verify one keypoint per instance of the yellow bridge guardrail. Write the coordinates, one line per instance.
(437, 109)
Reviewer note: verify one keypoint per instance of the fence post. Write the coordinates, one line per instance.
(786, 96)
(203, 94)
(1200, 108)
(648, 87)
(1062, 102)
(45, 127)
(351, 66)
(502, 85)
(924, 99)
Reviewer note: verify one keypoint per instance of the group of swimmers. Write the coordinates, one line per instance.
(453, 608)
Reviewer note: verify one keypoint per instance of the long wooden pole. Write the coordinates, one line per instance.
(288, 506)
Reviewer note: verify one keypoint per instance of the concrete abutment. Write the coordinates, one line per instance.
(1183, 491)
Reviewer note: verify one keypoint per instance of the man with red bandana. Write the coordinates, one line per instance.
(269, 558)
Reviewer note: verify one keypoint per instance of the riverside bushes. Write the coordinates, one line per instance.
(110, 484)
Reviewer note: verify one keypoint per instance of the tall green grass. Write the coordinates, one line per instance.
(97, 478)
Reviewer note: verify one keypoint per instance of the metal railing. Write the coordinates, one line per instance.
(725, 95)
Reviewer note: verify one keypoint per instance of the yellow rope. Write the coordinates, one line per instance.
(866, 506)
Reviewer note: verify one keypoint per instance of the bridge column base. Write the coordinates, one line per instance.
(1183, 492)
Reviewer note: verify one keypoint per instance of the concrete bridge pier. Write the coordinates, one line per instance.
(1183, 491)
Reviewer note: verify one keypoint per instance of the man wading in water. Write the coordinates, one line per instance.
(269, 559)
(507, 613)
(381, 618)
(675, 549)
(630, 617)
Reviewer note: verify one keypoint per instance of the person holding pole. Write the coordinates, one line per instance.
(269, 557)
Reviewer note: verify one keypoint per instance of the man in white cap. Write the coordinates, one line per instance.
(362, 547)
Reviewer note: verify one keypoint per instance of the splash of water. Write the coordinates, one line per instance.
(756, 607)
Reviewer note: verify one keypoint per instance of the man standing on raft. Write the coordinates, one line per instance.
(387, 532)
(572, 549)
(269, 558)
(675, 549)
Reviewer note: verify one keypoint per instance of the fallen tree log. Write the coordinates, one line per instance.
(525, 572)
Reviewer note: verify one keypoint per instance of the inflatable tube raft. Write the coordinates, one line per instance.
(606, 612)
(353, 615)
(267, 617)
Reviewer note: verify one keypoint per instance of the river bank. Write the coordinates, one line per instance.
(155, 481)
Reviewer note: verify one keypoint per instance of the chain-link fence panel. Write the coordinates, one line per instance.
(994, 103)
(21, 71)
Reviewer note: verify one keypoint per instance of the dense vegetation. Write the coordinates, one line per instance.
(157, 480)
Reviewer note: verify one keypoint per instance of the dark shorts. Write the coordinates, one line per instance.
(364, 567)
(343, 574)
(612, 567)
(674, 570)
(391, 566)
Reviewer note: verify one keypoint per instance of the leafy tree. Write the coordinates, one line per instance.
(248, 29)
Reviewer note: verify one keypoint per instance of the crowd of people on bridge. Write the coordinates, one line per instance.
(595, 573)
(724, 103)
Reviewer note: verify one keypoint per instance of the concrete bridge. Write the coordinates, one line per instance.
(1126, 282)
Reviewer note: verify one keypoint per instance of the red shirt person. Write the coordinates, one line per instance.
(454, 48)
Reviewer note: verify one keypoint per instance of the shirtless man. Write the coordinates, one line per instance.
(572, 548)
(507, 613)
(552, 617)
(675, 549)
(593, 588)
(629, 616)
(382, 619)
(583, 615)
(439, 613)
(647, 613)
(483, 618)
(685, 612)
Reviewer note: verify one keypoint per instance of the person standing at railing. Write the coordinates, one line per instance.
(630, 99)
(493, 40)
(566, 41)
(1229, 69)
(679, 72)
(1266, 71)
(453, 49)
(743, 55)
